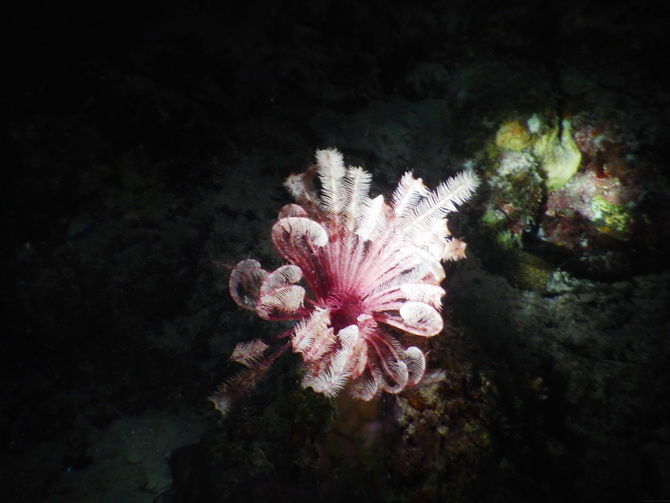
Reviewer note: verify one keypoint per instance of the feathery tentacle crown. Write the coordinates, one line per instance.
(368, 266)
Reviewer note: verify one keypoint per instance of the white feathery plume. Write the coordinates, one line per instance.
(297, 227)
(416, 364)
(331, 172)
(356, 187)
(439, 202)
(409, 192)
(372, 218)
(248, 353)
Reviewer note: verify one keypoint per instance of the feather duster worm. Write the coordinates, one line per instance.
(359, 270)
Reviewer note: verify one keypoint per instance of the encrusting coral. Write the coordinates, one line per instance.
(372, 271)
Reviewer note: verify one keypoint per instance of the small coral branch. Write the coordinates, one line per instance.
(372, 269)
